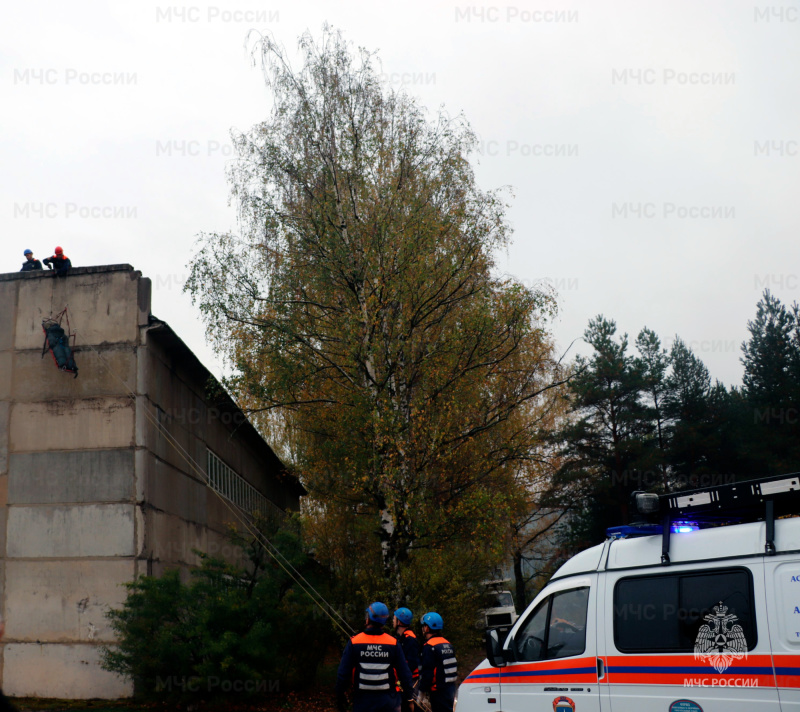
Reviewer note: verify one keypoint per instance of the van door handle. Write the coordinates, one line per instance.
(601, 669)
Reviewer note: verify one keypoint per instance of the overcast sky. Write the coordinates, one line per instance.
(653, 149)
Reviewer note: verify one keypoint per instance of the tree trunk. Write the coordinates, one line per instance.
(519, 582)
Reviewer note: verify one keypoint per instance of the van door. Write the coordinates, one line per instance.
(552, 652)
(688, 640)
(782, 578)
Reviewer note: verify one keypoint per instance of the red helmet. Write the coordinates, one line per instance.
(59, 250)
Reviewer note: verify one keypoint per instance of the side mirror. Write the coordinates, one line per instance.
(494, 648)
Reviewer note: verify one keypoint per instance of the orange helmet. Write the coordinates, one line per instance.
(59, 250)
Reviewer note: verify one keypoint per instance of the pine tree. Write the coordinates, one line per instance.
(653, 362)
(771, 358)
(686, 403)
(607, 448)
(771, 354)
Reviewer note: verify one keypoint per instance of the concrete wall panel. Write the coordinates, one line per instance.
(140, 459)
(6, 378)
(36, 302)
(163, 438)
(3, 525)
(174, 492)
(91, 423)
(62, 671)
(5, 408)
(79, 530)
(8, 310)
(3, 515)
(62, 477)
(112, 372)
(103, 307)
(171, 540)
(70, 599)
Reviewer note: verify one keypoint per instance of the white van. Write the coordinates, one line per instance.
(670, 618)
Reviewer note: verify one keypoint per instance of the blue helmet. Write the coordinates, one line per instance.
(404, 616)
(28, 252)
(378, 613)
(433, 621)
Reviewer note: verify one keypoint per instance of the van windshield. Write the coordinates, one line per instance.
(500, 599)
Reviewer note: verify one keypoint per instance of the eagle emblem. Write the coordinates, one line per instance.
(720, 642)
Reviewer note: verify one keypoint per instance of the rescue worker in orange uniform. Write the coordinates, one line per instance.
(402, 627)
(438, 666)
(372, 664)
(59, 262)
(31, 264)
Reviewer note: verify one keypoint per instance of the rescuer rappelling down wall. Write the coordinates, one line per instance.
(57, 341)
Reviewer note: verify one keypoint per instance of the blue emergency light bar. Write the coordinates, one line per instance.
(630, 531)
(763, 499)
(684, 527)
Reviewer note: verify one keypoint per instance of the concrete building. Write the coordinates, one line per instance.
(99, 473)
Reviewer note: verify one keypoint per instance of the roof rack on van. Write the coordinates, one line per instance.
(754, 500)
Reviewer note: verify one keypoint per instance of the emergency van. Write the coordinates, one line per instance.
(692, 614)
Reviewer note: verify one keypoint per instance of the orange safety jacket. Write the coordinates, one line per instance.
(408, 641)
(372, 663)
(439, 665)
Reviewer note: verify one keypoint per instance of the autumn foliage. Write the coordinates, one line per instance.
(369, 333)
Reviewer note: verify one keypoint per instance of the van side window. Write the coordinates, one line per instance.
(667, 613)
(555, 629)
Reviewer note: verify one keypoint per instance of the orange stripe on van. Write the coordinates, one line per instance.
(787, 671)
(754, 671)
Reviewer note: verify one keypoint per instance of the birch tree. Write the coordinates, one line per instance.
(364, 321)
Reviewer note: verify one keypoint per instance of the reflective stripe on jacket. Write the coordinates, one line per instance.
(439, 666)
(372, 662)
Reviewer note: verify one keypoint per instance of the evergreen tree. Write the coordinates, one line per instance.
(608, 447)
(653, 362)
(771, 353)
(687, 404)
(771, 358)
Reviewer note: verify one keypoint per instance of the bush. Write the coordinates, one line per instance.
(229, 631)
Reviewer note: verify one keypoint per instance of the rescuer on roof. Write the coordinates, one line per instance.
(371, 665)
(59, 262)
(30, 264)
